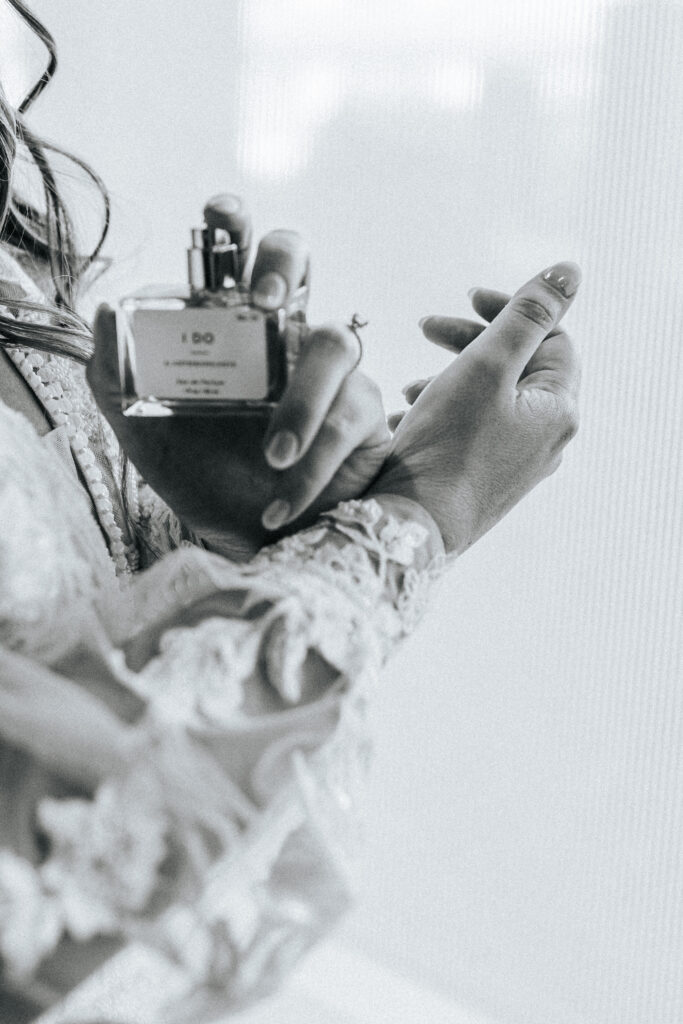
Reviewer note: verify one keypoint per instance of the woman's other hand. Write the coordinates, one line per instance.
(486, 430)
(325, 443)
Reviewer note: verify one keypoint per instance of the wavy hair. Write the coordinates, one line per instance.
(46, 235)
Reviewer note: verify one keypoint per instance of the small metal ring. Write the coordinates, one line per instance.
(355, 325)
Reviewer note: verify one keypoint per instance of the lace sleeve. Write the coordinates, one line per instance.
(158, 527)
(378, 562)
(249, 773)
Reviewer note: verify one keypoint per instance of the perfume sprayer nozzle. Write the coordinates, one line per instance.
(213, 261)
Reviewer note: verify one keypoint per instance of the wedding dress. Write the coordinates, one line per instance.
(212, 708)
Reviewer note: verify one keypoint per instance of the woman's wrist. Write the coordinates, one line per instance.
(408, 510)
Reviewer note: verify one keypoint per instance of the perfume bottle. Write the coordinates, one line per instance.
(203, 348)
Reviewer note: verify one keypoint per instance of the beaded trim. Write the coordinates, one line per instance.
(40, 377)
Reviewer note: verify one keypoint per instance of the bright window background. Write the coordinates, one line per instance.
(525, 825)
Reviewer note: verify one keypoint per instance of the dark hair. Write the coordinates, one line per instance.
(47, 235)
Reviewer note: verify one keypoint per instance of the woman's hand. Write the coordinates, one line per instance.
(486, 430)
(326, 440)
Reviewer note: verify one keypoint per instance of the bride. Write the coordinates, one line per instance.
(191, 624)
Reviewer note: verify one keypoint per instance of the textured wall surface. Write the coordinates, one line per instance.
(526, 849)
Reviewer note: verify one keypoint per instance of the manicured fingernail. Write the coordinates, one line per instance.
(270, 290)
(276, 514)
(422, 321)
(282, 449)
(564, 278)
(472, 292)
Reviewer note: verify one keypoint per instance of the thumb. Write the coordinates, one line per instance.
(103, 369)
(531, 314)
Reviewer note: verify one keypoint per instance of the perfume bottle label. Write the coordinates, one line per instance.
(201, 353)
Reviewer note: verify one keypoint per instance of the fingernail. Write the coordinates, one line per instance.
(270, 290)
(564, 277)
(282, 449)
(471, 292)
(276, 514)
(422, 321)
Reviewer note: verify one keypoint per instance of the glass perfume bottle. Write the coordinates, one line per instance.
(203, 348)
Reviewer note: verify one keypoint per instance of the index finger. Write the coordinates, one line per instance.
(329, 355)
(532, 313)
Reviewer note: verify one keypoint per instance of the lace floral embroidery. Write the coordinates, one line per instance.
(30, 919)
(105, 855)
(103, 866)
(278, 868)
(375, 570)
(52, 560)
(61, 387)
(199, 674)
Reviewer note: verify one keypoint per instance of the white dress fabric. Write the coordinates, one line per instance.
(216, 711)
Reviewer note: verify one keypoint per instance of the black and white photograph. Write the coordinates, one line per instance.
(341, 512)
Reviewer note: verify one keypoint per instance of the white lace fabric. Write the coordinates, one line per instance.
(60, 386)
(222, 830)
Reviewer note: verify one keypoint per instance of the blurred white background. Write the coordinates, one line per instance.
(525, 821)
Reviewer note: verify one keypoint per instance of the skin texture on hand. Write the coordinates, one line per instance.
(486, 430)
(334, 416)
(237, 479)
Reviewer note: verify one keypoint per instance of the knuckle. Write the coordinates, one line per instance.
(573, 426)
(532, 311)
(364, 390)
(486, 371)
(554, 464)
(340, 423)
(570, 421)
(567, 421)
(360, 402)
